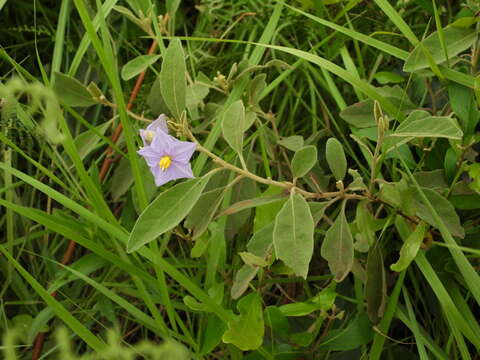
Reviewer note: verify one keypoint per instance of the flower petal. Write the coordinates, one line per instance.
(161, 177)
(151, 156)
(163, 143)
(180, 170)
(183, 151)
(159, 124)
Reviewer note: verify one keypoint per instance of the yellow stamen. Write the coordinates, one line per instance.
(165, 162)
(149, 136)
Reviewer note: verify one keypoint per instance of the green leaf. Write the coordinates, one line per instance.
(252, 259)
(388, 77)
(276, 321)
(456, 40)
(250, 203)
(201, 242)
(266, 214)
(462, 101)
(246, 330)
(195, 94)
(89, 140)
(444, 209)
(376, 285)
(337, 247)
(336, 158)
(434, 179)
(410, 248)
(357, 333)
(474, 173)
(318, 210)
(233, 125)
(244, 189)
(323, 301)
(155, 100)
(137, 65)
(293, 143)
(303, 160)
(203, 211)
(173, 83)
(261, 245)
(361, 114)
(71, 91)
(242, 280)
(261, 242)
(366, 227)
(165, 212)
(212, 335)
(293, 234)
(429, 126)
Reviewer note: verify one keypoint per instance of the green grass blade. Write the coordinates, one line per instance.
(387, 48)
(414, 326)
(237, 92)
(86, 40)
(461, 78)
(121, 234)
(361, 85)
(395, 17)
(434, 348)
(76, 326)
(453, 315)
(109, 64)
(379, 338)
(470, 275)
(63, 18)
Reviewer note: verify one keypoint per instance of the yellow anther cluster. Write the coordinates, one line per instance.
(165, 162)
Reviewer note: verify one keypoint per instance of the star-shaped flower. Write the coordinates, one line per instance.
(148, 134)
(167, 157)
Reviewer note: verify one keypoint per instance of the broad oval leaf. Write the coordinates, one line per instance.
(337, 247)
(71, 91)
(293, 143)
(410, 248)
(336, 158)
(246, 330)
(173, 83)
(165, 212)
(361, 114)
(456, 40)
(293, 234)
(444, 209)
(303, 160)
(233, 125)
(430, 126)
(137, 65)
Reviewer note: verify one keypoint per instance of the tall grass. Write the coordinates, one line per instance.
(72, 186)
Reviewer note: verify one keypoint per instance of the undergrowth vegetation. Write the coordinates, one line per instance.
(331, 209)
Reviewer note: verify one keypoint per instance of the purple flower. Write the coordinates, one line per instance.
(148, 134)
(167, 157)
